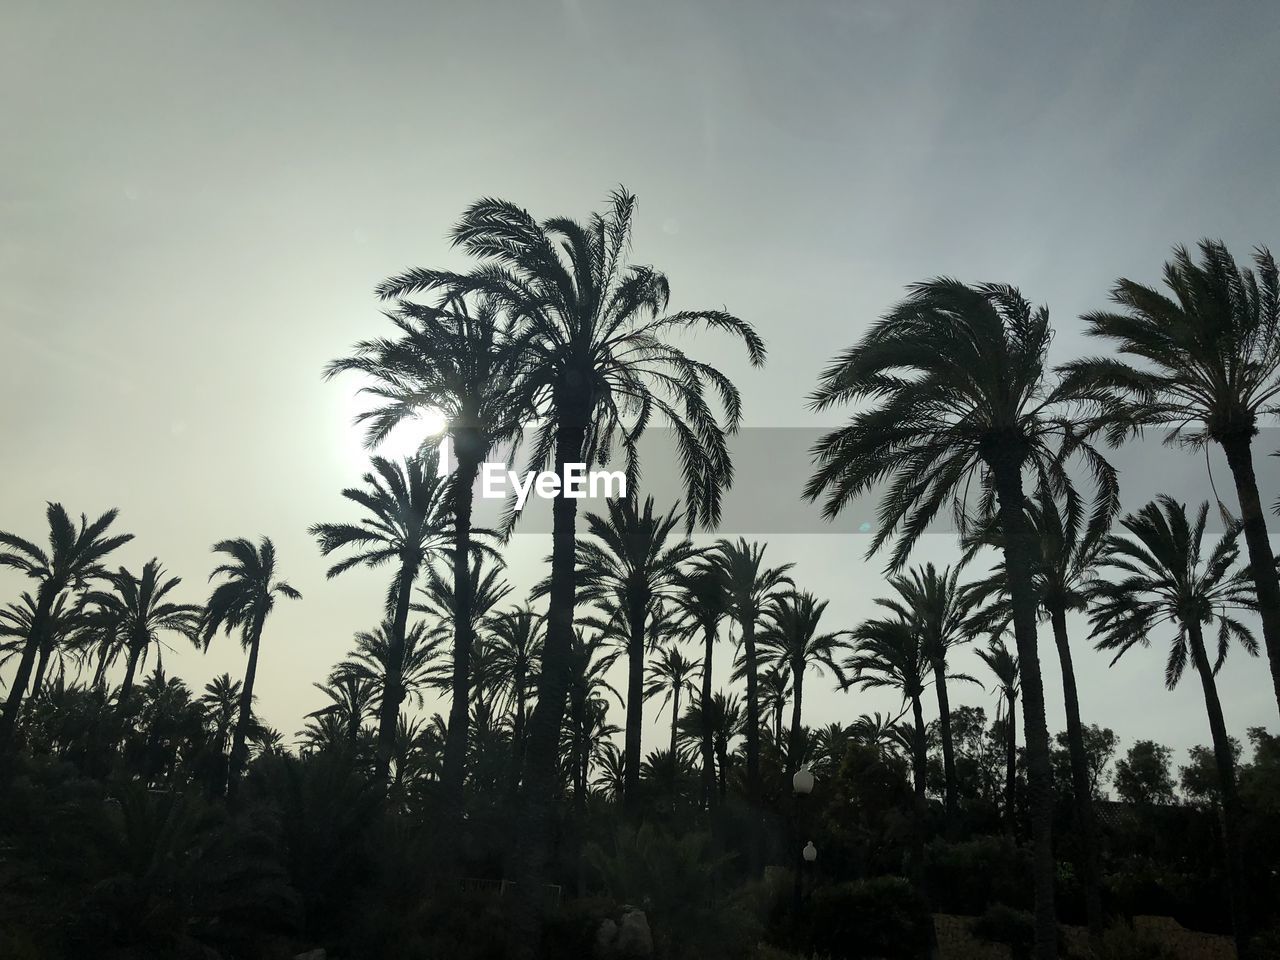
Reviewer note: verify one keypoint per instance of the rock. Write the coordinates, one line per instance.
(606, 936)
(634, 939)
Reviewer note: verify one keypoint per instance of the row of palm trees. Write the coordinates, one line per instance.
(555, 339)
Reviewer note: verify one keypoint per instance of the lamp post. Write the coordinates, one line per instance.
(801, 786)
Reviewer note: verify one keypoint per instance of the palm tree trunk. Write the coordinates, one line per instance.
(238, 749)
(392, 686)
(9, 720)
(722, 757)
(708, 748)
(455, 741)
(517, 735)
(532, 848)
(131, 666)
(948, 750)
(635, 709)
(919, 753)
(1011, 767)
(748, 627)
(1231, 838)
(1080, 783)
(1006, 467)
(1261, 560)
(797, 731)
(675, 715)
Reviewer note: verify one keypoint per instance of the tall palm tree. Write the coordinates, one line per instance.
(1165, 576)
(588, 705)
(219, 703)
(517, 645)
(1065, 556)
(722, 716)
(631, 561)
(243, 601)
(790, 637)
(456, 357)
(670, 676)
(63, 627)
(406, 522)
(1004, 665)
(137, 611)
(775, 690)
(956, 376)
(701, 599)
(598, 366)
(934, 602)
(1208, 357)
(74, 558)
(750, 586)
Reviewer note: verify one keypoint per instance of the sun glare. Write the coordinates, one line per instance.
(404, 441)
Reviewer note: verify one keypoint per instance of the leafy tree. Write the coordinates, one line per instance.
(406, 523)
(670, 676)
(243, 601)
(1199, 778)
(1142, 774)
(457, 357)
(957, 380)
(631, 562)
(791, 637)
(598, 366)
(750, 587)
(74, 558)
(939, 609)
(1004, 665)
(1165, 577)
(1099, 747)
(1208, 365)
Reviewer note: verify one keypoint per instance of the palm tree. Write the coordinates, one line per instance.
(1208, 355)
(63, 628)
(791, 639)
(670, 675)
(406, 523)
(243, 601)
(136, 611)
(957, 379)
(1064, 560)
(408, 668)
(586, 728)
(517, 645)
(722, 717)
(880, 732)
(939, 608)
(597, 366)
(701, 599)
(353, 696)
(463, 363)
(775, 690)
(630, 563)
(1166, 577)
(74, 558)
(1004, 665)
(750, 586)
(888, 653)
(219, 702)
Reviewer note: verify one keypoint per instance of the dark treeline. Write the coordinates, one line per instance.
(142, 818)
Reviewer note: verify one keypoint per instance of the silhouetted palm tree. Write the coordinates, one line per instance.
(791, 639)
(458, 358)
(1208, 355)
(137, 612)
(1008, 679)
(352, 697)
(750, 586)
(220, 700)
(411, 666)
(956, 376)
(243, 601)
(775, 691)
(631, 562)
(598, 366)
(671, 675)
(517, 647)
(939, 608)
(1064, 559)
(63, 626)
(723, 720)
(701, 599)
(74, 558)
(1167, 578)
(406, 523)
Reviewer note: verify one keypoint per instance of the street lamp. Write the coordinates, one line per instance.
(801, 786)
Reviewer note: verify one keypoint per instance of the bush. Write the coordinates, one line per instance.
(966, 878)
(882, 917)
(1122, 942)
(1014, 928)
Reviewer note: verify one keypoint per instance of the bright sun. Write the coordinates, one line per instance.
(404, 441)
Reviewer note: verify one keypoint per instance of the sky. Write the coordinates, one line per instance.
(198, 199)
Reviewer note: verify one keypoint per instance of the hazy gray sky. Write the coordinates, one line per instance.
(197, 200)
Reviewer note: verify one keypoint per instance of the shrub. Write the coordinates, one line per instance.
(966, 878)
(882, 917)
(1014, 928)
(1122, 942)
